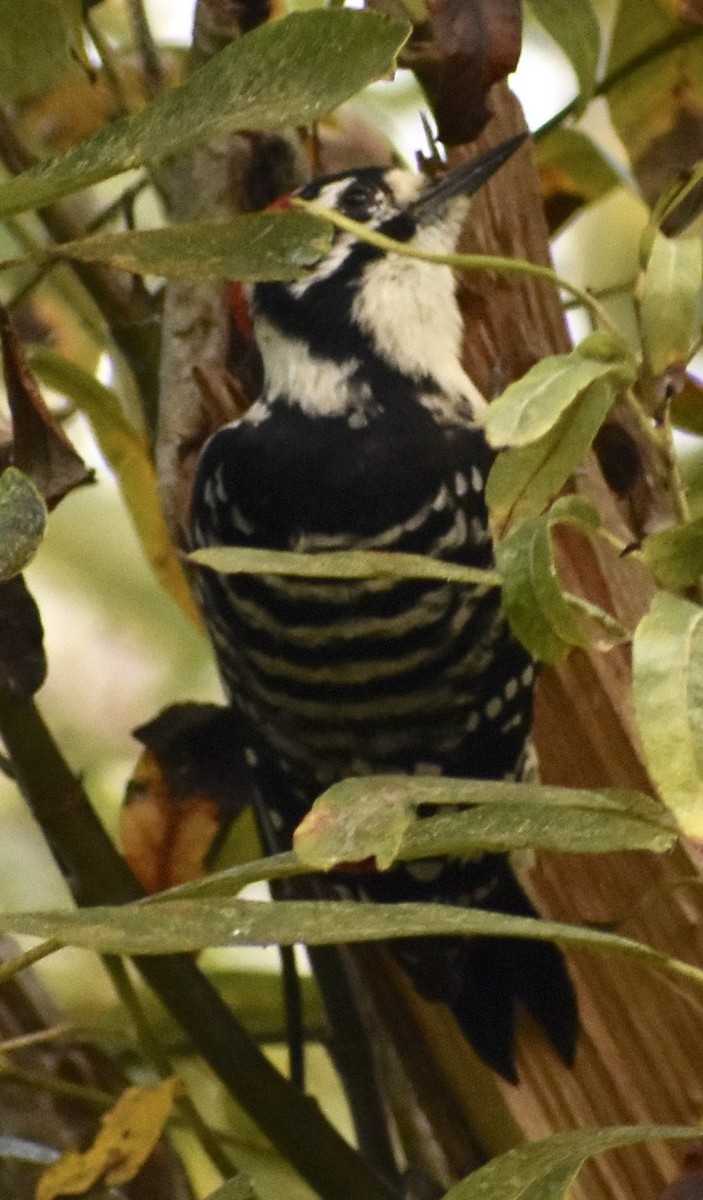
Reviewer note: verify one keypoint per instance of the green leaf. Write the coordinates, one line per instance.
(675, 556)
(534, 602)
(669, 309)
(127, 453)
(510, 1175)
(339, 564)
(254, 246)
(179, 926)
(22, 522)
(531, 407)
(554, 1184)
(377, 817)
(668, 698)
(574, 27)
(523, 479)
(542, 616)
(282, 73)
(355, 820)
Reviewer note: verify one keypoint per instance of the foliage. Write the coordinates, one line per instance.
(289, 72)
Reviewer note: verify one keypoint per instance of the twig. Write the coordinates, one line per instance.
(467, 262)
(146, 46)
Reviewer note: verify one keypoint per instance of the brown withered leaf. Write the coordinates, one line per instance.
(189, 784)
(40, 447)
(469, 45)
(22, 659)
(128, 1134)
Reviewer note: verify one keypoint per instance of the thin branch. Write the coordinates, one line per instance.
(146, 46)
(21, 962)
(657, 50)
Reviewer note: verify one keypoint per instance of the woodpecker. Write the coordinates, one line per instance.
(368, 435)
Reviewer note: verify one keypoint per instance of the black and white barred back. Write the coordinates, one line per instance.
(368, 435)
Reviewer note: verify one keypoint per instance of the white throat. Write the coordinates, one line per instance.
(408, 309)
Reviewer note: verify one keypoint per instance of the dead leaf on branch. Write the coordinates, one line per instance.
(40, 447)
(188, 786)
(468, 46)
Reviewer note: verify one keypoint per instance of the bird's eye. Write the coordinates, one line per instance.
(357, 202)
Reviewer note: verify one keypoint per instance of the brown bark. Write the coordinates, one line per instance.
(637, 1059)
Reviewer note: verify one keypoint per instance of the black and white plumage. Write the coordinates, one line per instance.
(368, 435)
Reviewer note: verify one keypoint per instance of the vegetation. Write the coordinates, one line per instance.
(130, 170)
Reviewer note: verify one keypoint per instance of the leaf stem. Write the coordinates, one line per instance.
(465, 262)
(22, 961)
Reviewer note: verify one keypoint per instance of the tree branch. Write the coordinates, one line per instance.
(97, 875)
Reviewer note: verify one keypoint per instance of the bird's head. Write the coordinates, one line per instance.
(358, 299)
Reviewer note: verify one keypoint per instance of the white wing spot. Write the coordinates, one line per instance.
(473, 722)
(461, 484)
(511, 688)
(494, 707)
(440, 500)
(528, 675)
(513, 723)
(476, 479)
(251, 757)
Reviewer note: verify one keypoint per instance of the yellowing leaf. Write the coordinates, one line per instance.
(669, 309)
(668, 698)
(657, 109)
(126, 1138)
(126, 450)
(572, 172)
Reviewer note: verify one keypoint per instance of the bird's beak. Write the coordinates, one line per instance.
(464, 180)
